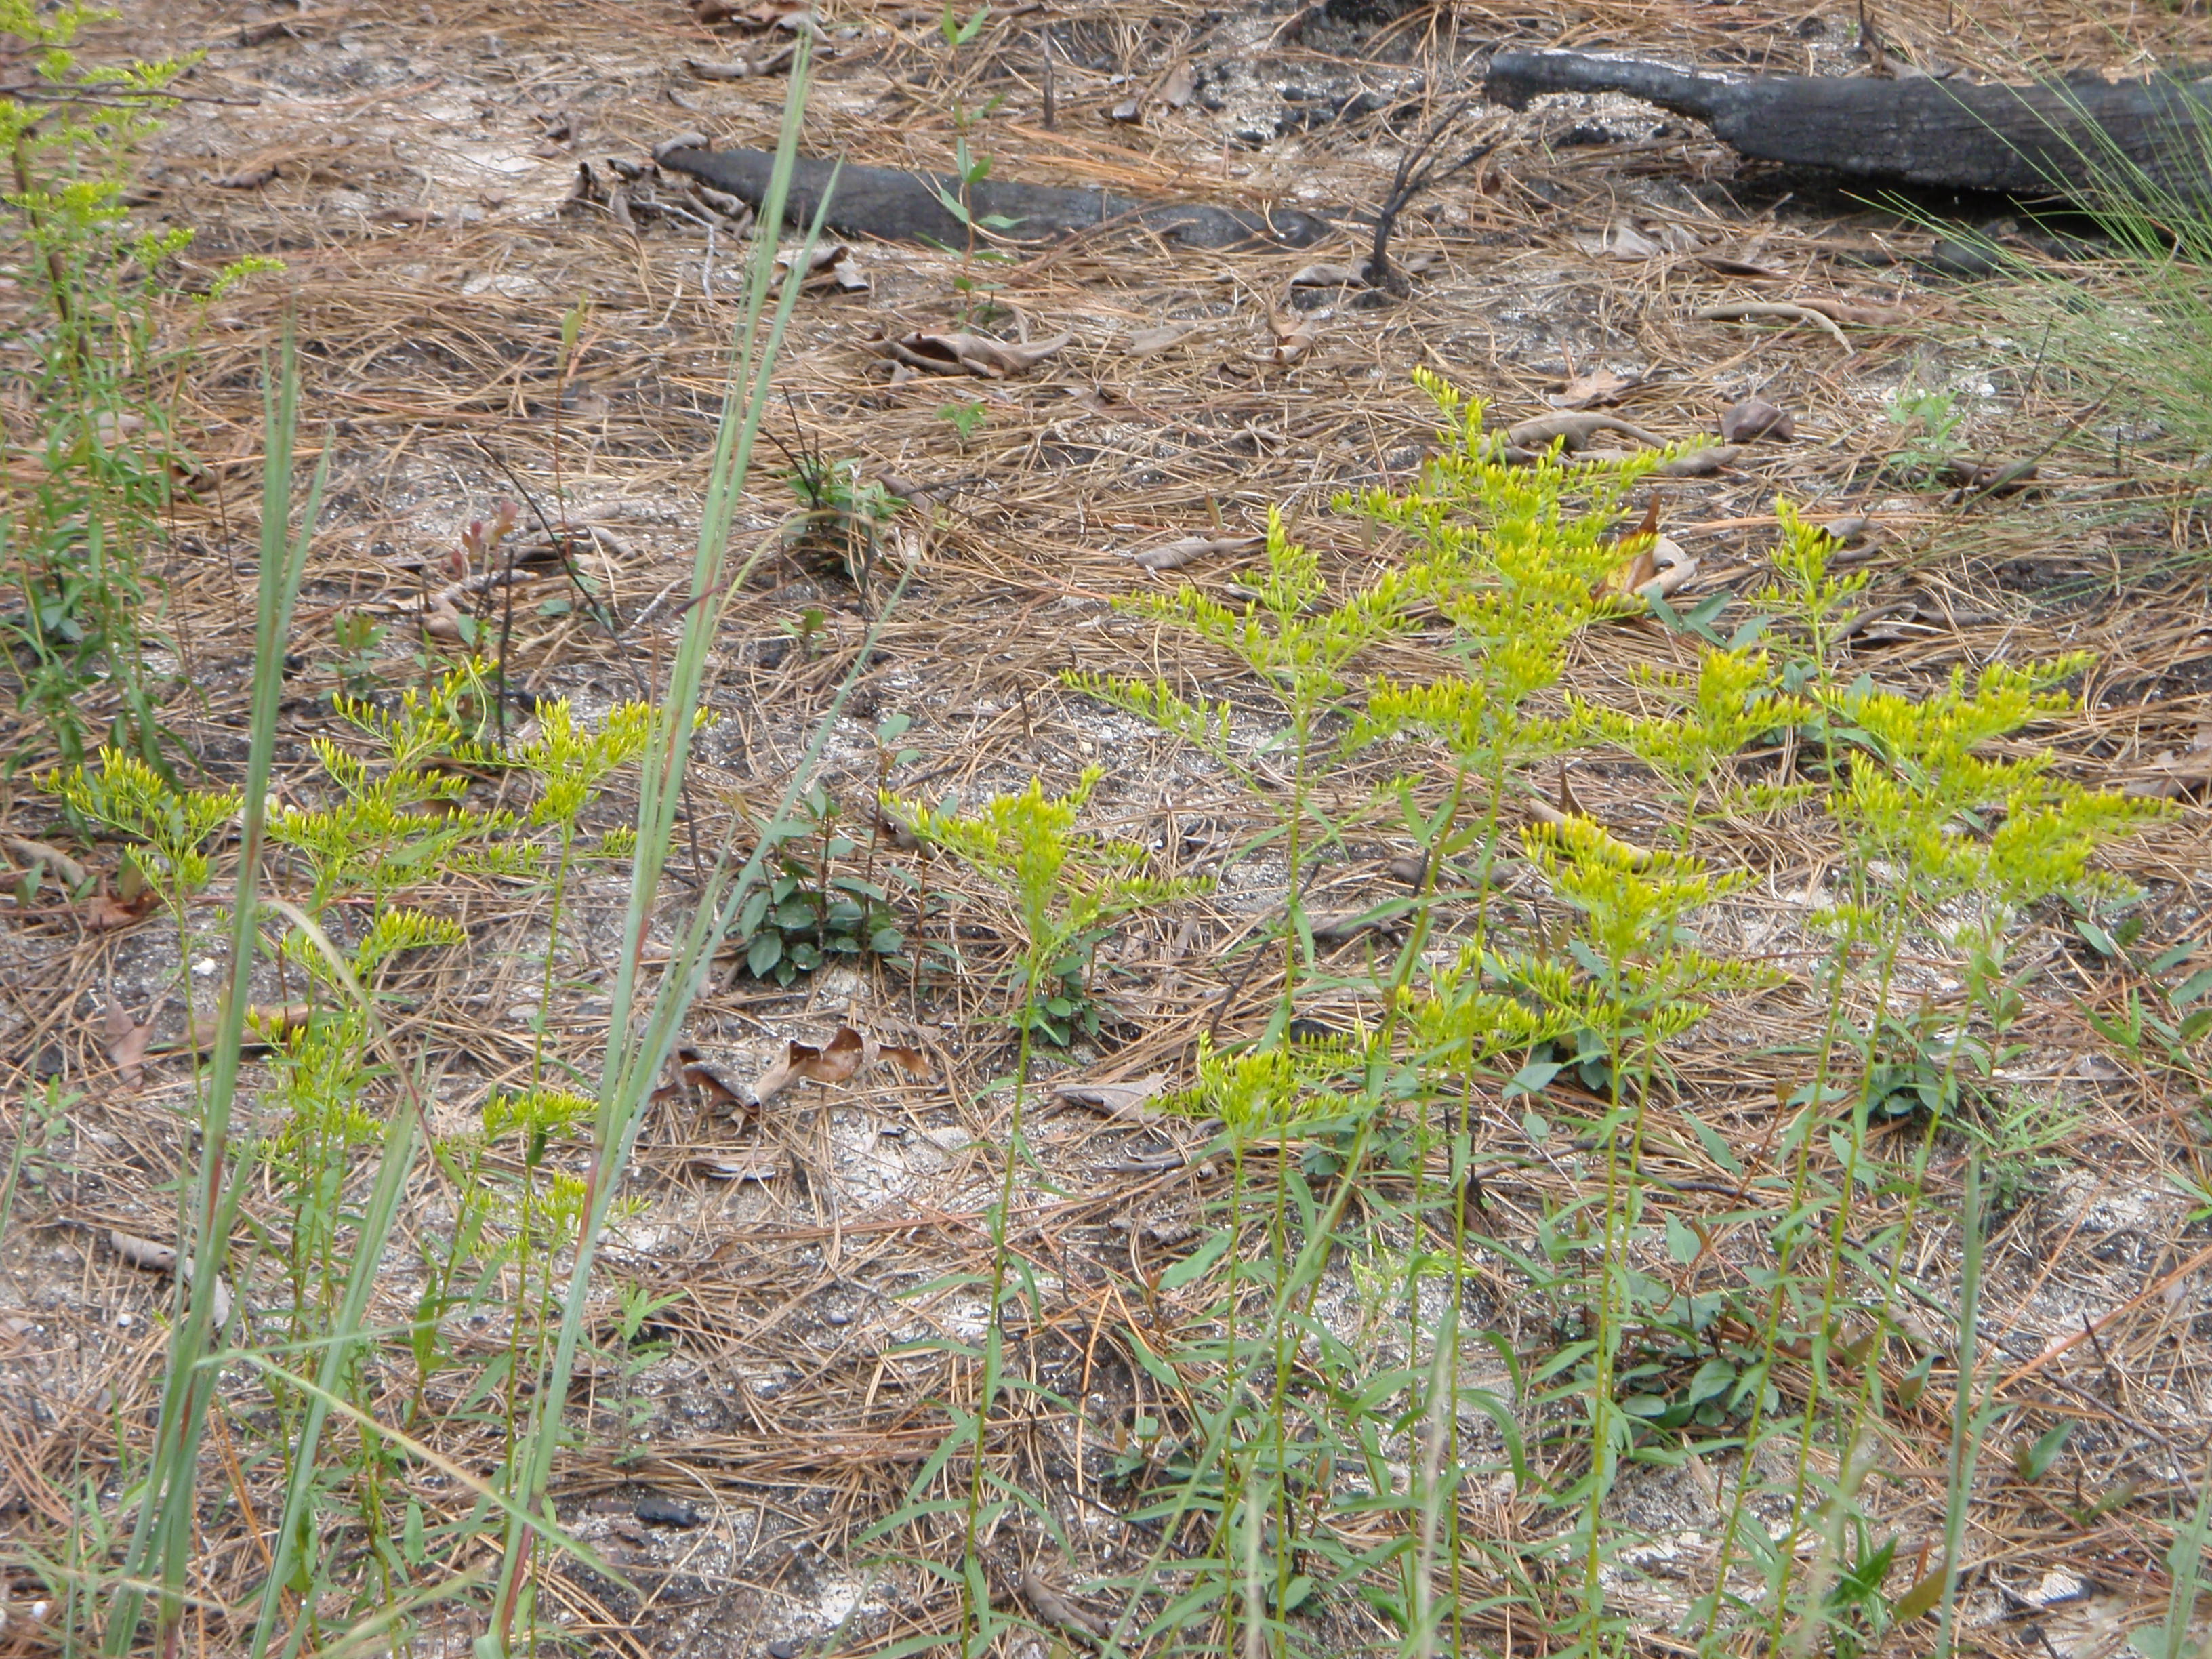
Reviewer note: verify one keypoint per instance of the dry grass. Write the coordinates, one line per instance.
(416, 205)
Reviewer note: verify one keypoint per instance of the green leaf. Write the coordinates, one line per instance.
(1714, 1378)
(766, 950)
(2099, 940)
(1716, 1145)
(2032, 1461)
(1920, 1600)
(887, 941)
(1196, 1263)
(1682, 1241)
(1532, 1077)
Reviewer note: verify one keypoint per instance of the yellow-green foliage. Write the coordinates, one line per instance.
(1063, 881)
(174, 825)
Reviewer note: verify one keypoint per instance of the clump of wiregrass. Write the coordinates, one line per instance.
(2135, 336)
(538, 1180)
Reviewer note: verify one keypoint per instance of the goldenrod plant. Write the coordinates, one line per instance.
(103, 372)
(1065, 884)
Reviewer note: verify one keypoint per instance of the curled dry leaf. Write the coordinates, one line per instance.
(1294, 335)
(1187, 549)
(1754, 419)
(1180, 86)
(159, 1258)
(837, 1062)
(969, 354)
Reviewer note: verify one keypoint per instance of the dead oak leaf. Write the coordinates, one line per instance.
(1588, 391)
(969, 354)
(837, 1062)
(126, 1043)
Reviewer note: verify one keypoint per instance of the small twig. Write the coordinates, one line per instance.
(1418, 171)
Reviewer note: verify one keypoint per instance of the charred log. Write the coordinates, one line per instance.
(2056, 139)
(911, 207)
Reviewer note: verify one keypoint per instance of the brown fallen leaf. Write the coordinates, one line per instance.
(127, 1042)
(1114, 1099)
(1294, 335)
(837, 1062)
(247, 177)
(1326, 274)
(1187, 549)
(1125, 112)
(969, 354)
(58, 864)
(158, 1258)
(1619, 240)
(1588, 391)
(1180, 86)
(1146, 341)
(1754, 419)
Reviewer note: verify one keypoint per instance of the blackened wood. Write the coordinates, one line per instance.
(2063, 138)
